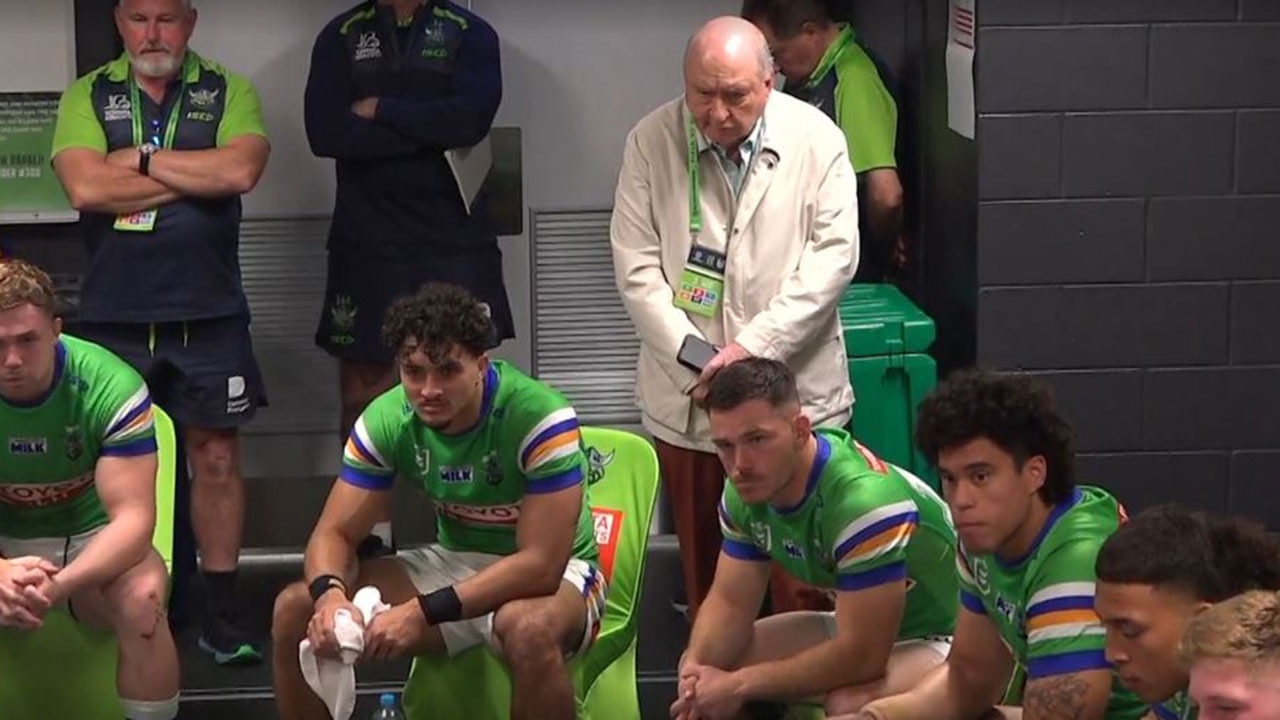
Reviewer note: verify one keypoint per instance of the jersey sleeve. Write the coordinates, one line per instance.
(1064, 634)
(77, 125)
(737, 543)
(130, 427)
(872, 527)
(970, 599)
(868, 116)
(243, 112)
(551, 456)
(367, 459)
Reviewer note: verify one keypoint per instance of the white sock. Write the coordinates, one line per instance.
(150, 709)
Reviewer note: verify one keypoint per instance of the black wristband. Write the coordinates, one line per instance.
(144, 163)
(324, 584)
(441, 606)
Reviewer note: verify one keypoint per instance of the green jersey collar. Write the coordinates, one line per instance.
(844, 39)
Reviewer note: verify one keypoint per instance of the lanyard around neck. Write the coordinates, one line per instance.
(695, 190)
(135, 100)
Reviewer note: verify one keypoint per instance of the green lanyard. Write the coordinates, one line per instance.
(695, 190)
(135, 107)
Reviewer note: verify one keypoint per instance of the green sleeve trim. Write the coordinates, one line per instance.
(243, 112)
(448, 14)
(77, 125)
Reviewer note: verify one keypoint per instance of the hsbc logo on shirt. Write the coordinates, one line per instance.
(368, 47)
(118, 107)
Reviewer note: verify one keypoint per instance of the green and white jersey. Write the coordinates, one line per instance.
(97, 406)
(1042, 603)
(862, 523)
(526, 442)
(1178, 707)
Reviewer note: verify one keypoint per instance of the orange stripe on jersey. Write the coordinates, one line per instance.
(887, 537)
(1062, 617)
(356, 452)
(551, 445)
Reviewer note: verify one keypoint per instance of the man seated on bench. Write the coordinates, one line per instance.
(77, 492)
(1159, 571)
(1028, 540)
(835, 516)
(515, 566)
(1233, 652)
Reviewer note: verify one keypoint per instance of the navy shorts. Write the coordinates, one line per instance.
(361, 287)
(202, 372)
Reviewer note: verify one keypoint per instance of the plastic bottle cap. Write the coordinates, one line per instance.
(388, 700)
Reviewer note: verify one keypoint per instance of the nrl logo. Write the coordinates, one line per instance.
(203, 98)
(597, 462)
(343, 312)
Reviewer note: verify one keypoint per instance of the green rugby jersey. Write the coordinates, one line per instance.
(526, 442)
(1178, 707)
(1042, 603)
(97, 406)
(862, 523)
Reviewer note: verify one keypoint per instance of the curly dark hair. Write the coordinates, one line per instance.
(436, 319)
(1013, 411)
(1208, 557)
(752, 379)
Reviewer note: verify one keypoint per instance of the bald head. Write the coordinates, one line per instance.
(727, 78)
(729, 41)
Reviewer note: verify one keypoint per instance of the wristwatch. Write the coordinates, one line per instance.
(144, 157)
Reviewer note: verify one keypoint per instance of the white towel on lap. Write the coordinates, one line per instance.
(334, 681)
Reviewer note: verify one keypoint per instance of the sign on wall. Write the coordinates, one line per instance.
(29, 190)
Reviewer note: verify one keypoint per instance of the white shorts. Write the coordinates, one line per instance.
(940, 644)
(433, 567)
(58, 550)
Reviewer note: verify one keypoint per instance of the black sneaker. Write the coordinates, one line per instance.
(229, 644)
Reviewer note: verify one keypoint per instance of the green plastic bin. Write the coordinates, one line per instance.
(887, 339)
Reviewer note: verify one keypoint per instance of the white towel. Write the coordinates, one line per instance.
(334, 681)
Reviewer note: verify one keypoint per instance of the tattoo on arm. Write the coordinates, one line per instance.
(1061, 697)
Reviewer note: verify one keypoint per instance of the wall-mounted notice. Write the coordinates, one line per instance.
(29, 190)
(962, 23)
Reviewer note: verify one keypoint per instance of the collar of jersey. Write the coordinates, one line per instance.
(490, 389)
(118, 70)
(820, 458)
(1058, 511)
(59, 364)
(829, 58)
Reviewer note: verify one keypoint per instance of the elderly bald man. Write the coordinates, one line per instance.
(753, 260)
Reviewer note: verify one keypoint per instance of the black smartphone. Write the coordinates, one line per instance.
(695, 353)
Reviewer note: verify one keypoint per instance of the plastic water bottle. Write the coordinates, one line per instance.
(388, 708)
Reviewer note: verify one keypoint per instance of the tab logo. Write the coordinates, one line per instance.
(28, 446)
(118, 107)
(369, 47)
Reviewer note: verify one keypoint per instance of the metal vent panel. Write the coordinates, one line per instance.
(583, 341)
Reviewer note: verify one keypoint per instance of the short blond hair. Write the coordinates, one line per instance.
(1246, 628)
(22, 283)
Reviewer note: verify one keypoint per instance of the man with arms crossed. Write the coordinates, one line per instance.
(1158, 572)
(77, 492)
(516, 564)
(155, 149)
(835, 516)
(1028, 540)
